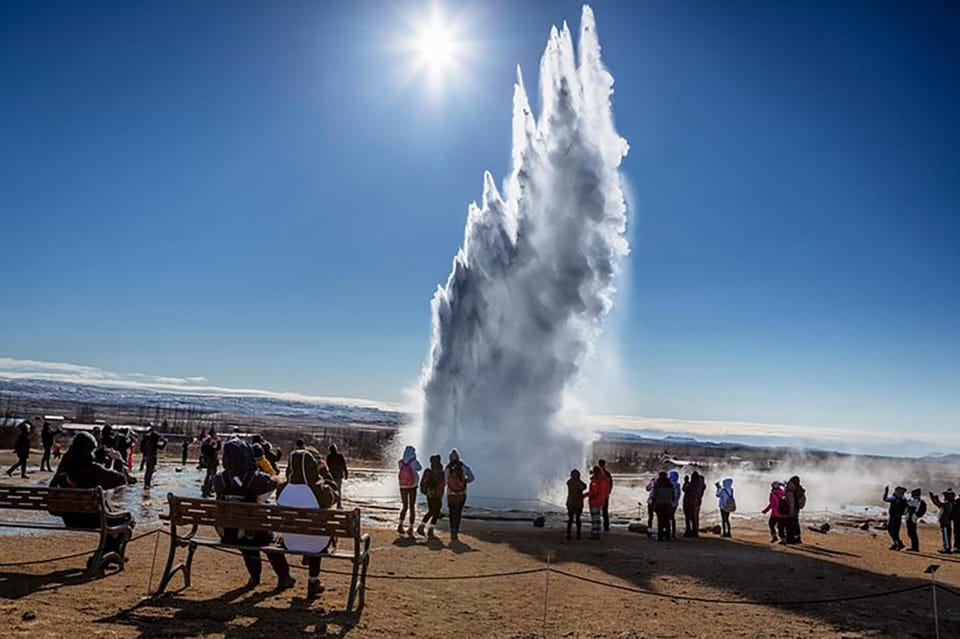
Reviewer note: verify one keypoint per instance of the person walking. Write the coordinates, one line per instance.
(727, 503)
(47, 435)
(606, 504)
(431, 485)
(663, 505)
(150, 446)
(945, 517)
(795, 496)
(898, 506)
(242, 481)
(209, 460)
(408, 477)
(916, 509)
(337, 466)
(307, 487)
(184, 450)
(778, 529)
(575, 490)
(457, 475)
(21, 448)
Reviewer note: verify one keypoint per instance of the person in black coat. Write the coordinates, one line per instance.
(47, 435)
(242, 481)
(898, 506)
(22, 449)
(78, 469)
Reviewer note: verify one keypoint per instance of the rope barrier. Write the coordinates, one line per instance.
(75, 555)
(795, 602)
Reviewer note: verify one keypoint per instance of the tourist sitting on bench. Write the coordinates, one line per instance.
(241, 480)
(78, 470)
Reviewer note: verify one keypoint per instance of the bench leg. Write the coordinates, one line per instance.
(363, 581)
(353, 585)
(169, 570)
(96, 560)
(189, 565)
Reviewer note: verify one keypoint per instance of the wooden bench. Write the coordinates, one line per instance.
(193, 512)
(86, 501)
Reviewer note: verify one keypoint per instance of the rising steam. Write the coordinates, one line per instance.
(532, 282)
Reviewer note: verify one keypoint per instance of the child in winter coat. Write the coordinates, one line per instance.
(898, 506)
(947, 509)
(916, 509)
(727, 504)
(575, 488)
(778, 529)
(409, 478)
(596, 495)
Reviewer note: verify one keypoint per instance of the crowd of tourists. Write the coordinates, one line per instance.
(438, 479)
(913, 508)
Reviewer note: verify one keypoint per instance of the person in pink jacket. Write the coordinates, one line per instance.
(778, 527)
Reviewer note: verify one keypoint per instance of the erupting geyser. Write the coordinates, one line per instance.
(532, 282)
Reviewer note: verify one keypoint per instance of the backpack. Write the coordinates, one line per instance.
(801, 497)
(730, 506)
(429, 483)
(921, 509)
(663, 495)
(456, 482)
(407, 476)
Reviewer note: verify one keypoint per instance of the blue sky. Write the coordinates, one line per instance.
(252, 194)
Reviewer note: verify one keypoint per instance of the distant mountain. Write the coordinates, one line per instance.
(238, 404)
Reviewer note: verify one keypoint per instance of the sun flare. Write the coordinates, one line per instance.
(435, 48)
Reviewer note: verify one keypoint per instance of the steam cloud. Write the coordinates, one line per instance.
(532, 282)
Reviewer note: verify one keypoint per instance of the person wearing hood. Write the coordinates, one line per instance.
(263, 463)
(795, 496)
(727, 503)
(77, 469)
(408, 477)
(309, 485)
(456, 475)
(674, 478)
(21, 447)
(575, 490)
(431, 485)
(778, 530)
(948, 507)
(241, 480)
(898, 506)
(663, 505)
(337, 466)
(916, 509)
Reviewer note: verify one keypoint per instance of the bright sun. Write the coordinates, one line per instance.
(435, 48)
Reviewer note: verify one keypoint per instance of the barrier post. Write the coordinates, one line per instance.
(932, 571)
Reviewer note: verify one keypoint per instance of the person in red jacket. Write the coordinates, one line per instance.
(597, 494)
(778, 526)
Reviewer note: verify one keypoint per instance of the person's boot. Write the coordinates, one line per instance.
(400, 528)
(421, 530)
(286, 583)
(314, 588)
(430, 533)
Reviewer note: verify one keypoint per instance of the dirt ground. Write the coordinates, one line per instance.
(52, 600)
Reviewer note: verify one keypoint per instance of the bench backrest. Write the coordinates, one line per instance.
(187, 511)
(57, 500)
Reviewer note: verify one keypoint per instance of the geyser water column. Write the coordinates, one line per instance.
(532, 282)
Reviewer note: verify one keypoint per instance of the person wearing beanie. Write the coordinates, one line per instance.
(778, 528)
(916, 509)
(457, 475)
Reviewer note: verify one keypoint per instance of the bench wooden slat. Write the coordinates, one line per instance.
(185, 511)
(60, 500)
